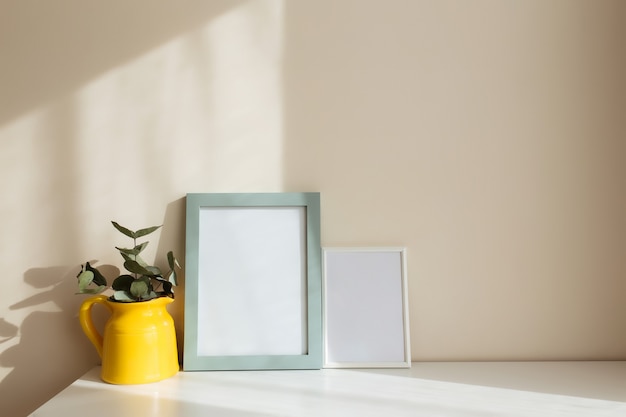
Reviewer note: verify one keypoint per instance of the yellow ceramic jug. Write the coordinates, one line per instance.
(139, 342)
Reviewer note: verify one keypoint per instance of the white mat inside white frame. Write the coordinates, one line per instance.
(365, 308)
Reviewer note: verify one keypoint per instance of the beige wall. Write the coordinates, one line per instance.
(488, 137)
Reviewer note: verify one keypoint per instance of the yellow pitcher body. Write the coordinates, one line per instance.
(139, 341)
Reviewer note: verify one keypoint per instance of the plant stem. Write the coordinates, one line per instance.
(134, 246)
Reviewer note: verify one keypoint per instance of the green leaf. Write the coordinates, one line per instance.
(122, 283)
(140, 261)
(84, 279)
(98, 278)
(139, 248)
(155, 271)
(123, 296)
(140, 288)
(134, 251)
(172, 278)
(136, 268)
(150, 296)
(167, 289)
(87, 275)
(172, 261)
(146, 231)
(124, 230)
(134, 258)
(126, 251)
(127, 257)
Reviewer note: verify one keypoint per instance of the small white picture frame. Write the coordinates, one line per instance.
(366, 317)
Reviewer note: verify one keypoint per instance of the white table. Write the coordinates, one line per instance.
(511, 389)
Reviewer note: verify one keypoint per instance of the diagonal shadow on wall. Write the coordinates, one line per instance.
(51, 48)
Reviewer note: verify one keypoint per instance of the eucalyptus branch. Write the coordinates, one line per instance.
(143, 281)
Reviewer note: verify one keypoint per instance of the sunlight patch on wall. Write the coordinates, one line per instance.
(202, 112)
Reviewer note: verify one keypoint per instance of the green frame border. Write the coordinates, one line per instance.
(314, 357)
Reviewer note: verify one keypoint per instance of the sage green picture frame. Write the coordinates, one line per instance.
(253, 282)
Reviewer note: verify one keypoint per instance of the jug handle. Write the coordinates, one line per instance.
(86, 322)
